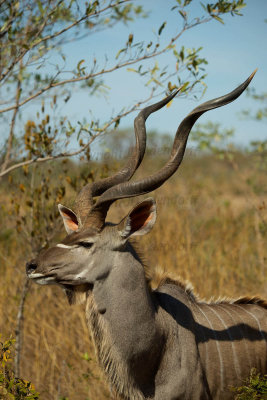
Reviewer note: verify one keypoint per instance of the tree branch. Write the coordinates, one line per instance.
(83, 148)
(24, 51)
(11, 132)
(19, 327)
(108, 70)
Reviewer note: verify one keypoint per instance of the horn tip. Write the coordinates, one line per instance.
(252, 75)
(173, 94)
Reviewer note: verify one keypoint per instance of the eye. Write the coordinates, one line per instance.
(87, 245)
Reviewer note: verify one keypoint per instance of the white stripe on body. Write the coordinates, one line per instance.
(243, 341)
(253, 316)
(236, 363)
(218, 348)
(205, 341)
(258, 323)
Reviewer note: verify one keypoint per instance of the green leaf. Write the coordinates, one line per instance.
(130, 39)
(119, 52)
(218, 19)
(40, 6)
(203, 6)
(182, 13)
(4, 26)
(184, 87)
(86, 357)
(79, 64)
(132, 70)
(162, 27)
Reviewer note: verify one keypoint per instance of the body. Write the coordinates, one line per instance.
(194, 350)
(230, 338)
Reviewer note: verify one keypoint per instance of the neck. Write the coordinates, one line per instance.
(121, 317)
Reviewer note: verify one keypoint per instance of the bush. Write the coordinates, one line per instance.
(11, 387)
(255, 387)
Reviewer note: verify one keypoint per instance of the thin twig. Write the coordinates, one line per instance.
(12, 126)
(19, 327)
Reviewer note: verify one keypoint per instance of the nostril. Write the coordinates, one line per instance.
(31, 267)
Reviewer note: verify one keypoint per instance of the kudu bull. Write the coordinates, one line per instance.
(163, 344)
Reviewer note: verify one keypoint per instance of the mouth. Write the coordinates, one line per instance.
(42, 279)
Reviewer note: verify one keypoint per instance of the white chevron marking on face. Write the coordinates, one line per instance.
(64, 246)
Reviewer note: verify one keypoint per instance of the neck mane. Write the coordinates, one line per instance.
(114, 367)
(101, 325)
(188, 289)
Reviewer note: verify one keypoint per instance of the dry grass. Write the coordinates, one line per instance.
(210, 230)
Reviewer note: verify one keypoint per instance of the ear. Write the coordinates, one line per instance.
(140, 220)
(69, 218)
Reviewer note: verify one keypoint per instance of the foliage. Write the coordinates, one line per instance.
(259, 147)
(12, 387)
(261, 98)
(255, 387)
(119, 144)
(35, 63)
(211, 138)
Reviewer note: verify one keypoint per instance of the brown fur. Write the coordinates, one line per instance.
(250, 300)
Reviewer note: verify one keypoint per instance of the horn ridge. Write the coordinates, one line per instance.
(84, 201)
(152, 182)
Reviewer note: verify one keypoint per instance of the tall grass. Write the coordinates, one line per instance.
(211, 230)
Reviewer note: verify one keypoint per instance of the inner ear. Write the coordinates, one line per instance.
(140, 220)
(69, 218)
(141, 217)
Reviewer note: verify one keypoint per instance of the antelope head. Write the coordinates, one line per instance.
(93, 246)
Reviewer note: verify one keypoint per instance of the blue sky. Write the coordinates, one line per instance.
(233, 51)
